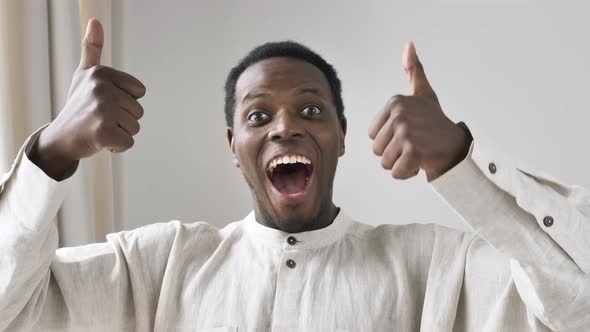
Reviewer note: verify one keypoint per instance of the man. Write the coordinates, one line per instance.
(297, 263)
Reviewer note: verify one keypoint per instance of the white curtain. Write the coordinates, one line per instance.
(39, 52)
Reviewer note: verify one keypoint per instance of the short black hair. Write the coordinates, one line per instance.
(288, 49)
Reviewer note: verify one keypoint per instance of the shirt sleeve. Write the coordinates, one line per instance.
(540, 223)
(100, 286)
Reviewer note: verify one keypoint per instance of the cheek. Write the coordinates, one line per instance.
(330, 142)
(247, 151)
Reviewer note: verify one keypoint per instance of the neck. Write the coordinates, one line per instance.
(323, 219)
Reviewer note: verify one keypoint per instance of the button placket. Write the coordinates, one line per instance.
(291, 263)
(291, 240)
(288, 288)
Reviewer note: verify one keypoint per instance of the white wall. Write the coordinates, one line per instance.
(514, 71)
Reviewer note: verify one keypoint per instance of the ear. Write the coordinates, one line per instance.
(342, 135)
(232, 148)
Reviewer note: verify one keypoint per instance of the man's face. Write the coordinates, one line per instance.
(286, 139)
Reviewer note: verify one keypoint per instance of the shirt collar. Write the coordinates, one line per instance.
(305, 240)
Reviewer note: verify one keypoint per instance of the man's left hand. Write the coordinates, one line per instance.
(413, 133)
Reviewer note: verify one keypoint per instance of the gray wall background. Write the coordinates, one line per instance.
(515, 71)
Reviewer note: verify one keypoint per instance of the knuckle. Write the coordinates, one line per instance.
(399, 117)
(402, 112)
(412, 150)
(100, 137)
(101, 130)
(396, 100)
(103, 108)
(98, 71)
(98, 88)
(401, 131)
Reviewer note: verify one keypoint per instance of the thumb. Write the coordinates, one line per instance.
(418, 82)
(92, 44)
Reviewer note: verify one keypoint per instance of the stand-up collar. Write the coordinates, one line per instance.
(305, 240)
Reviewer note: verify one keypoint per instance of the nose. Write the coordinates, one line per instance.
(286, 127)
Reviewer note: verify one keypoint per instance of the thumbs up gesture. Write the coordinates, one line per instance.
(413, 133)
(101, 112)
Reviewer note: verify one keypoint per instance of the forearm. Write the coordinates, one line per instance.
(29, 202)
(50, 162)
(510, 209)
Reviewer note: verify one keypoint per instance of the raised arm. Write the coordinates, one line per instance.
(541, 225)
(101, 112)
(72, 288)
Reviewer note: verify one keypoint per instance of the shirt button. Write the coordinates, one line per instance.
(291, 263)
(291, 240)
(492, 168)
(548, 221)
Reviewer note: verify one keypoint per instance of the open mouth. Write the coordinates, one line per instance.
(290, 175)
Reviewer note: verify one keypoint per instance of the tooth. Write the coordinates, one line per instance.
(297, 159)
(285, 160)
(292, 159)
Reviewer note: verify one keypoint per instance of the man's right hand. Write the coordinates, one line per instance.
(101, 111)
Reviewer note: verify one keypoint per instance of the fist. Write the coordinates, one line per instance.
(101, 110)
(413, 133)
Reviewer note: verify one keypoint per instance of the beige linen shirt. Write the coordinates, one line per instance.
(523, 266)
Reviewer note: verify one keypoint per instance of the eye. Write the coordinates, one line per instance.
(311, 111)
(257, 117)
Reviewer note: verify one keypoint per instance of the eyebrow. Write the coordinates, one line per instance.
(308, 90)
(254, 95)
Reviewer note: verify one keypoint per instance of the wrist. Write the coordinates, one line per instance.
(458, 154)
(468, 139)
(48, 159)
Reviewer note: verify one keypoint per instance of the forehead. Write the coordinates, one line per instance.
(281, 74)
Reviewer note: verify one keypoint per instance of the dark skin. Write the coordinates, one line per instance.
(284, 105)
(411, 133)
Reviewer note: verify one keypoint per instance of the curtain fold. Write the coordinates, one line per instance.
(24, 74)
(39, 52)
